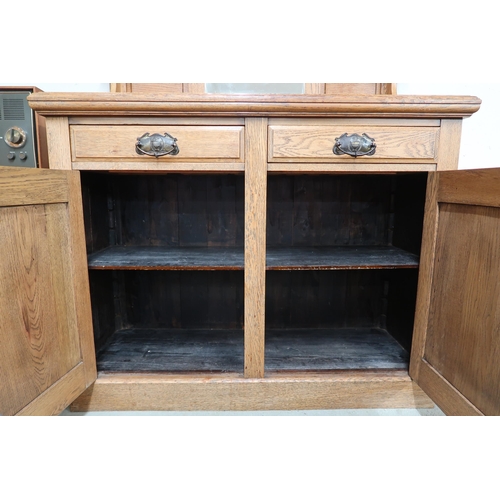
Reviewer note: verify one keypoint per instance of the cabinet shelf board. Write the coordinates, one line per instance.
(175, 350)
(333, 349)
(224, 258)
(221, 351)
(167, 258)
(340, 257)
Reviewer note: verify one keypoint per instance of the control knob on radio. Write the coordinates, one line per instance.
(15, 137)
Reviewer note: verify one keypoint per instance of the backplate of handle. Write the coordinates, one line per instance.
(354, 145)
(156, 145)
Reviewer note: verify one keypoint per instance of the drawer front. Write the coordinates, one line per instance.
(304, 143)
(195, 143)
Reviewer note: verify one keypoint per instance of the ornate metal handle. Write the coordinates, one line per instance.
(156, 145)
(354, 145)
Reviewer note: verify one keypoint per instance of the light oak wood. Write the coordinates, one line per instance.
(80, 286)
(360, 88)
(471, 187)
(451, 401)
(117, 143)
(229, 393)
(425, 274)
(349, 167)
(314, 88)
(119, 87)
(255, 245)
(449, 144)
(160, 121)
(463, 341)
(299, 142)
(354, 122)
(460, 340)
(387, 88)
(193, 88)
(21, 187)
(46, 328)
(160, 166)
(58, 146)
(34, 302)
(214, 105)
(59, 395)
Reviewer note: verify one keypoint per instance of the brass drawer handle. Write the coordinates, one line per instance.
(156, 145)
(354, 145)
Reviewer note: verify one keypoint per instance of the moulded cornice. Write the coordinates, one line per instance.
(272, 105)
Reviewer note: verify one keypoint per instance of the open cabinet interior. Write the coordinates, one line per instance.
(343, 254)
(166, 267)
(166, 271)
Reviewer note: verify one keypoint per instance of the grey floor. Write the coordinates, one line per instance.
(392, 412)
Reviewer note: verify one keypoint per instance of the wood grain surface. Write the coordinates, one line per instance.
(316, 142)
(118, 142)
(362, 389)
(46, 329)
(214, 105)
(255, 245)
(450, 135)
(34, 298)
(456, 342)
(58, 143)
(463, 341)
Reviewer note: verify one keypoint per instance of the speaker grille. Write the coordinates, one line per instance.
(13, 109)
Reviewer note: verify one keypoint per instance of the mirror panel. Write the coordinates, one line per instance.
(254, 88)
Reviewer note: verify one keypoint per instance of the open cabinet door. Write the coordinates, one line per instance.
(47, 355)
(456, 351)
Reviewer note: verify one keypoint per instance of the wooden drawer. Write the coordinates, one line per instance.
(114, 146)
(314, 143)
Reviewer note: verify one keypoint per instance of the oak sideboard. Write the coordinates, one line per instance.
(250, 252)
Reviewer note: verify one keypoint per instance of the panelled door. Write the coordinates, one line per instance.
(456, 351)
(47, 355)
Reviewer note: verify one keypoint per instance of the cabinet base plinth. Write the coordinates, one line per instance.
(230, 392)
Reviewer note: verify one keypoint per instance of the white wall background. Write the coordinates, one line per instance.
(478, 147)
(479, 144)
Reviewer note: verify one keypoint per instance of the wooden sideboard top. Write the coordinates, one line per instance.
(272, 105)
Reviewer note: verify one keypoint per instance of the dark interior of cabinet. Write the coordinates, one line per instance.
(342, 293)
(166, 270)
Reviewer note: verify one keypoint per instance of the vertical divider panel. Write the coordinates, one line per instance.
(450, 134)
(59, 149)
(255, 245)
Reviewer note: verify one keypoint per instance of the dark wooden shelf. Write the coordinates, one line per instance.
(176, 350)
(333, 349)
(342, 257)
(223, 258)
(167, 258)
(139, 350)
